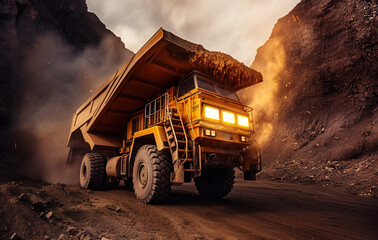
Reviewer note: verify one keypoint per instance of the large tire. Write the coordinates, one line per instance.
(215, 182)
(151, 174)
(92, 171)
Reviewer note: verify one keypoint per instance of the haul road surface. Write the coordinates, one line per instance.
(254, 210)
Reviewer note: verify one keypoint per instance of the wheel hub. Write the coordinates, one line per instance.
(84, 171)
(142, 175)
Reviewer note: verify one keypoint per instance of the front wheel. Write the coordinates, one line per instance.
(151, 173)
(215, 182)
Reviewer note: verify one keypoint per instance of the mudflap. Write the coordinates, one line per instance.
(251, 161)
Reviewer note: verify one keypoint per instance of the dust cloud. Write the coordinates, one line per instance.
(58, 79)
(263, 97)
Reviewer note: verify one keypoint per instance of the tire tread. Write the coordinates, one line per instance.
(161, 167)
(223, 183)
(96, 170)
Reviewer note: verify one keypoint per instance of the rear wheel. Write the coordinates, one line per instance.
(151, 173)
(92, 171)
(215, 182)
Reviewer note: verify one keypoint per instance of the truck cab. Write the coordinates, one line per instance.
(221, 125)
(205, 128)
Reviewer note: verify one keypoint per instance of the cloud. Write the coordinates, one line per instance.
(234, 27)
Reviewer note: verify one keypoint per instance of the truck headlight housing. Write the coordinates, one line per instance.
(210, 132)
(244, 138)
(228, 117)
(243, 121)
(207, 132)
(212, 113)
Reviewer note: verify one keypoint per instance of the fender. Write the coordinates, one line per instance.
(154, 135)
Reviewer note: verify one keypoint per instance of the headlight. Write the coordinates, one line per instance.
(228, 117)
(243, 121)
(212, 113)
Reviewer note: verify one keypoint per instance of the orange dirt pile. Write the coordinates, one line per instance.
(224, 68)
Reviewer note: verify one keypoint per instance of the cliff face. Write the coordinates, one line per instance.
(52, 54)
(22, 24)
(23, 20)
(316, 111)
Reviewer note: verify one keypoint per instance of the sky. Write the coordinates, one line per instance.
(235, 27)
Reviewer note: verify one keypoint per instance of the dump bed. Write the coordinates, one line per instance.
(101, 121)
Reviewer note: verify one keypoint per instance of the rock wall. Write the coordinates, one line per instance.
(316, 111)
(23, 21)
(52, 54)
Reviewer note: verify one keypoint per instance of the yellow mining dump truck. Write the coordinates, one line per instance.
(167, 116)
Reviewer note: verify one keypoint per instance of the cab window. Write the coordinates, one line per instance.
(186, 87)
(197, 81)
(202, 83)
(135, 126)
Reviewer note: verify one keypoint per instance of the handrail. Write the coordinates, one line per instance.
(182, 124)
(158, 112)
(249, 110)
(191, 126)
(190, 119)
(173, 130)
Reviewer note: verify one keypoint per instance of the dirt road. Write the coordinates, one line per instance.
(258, 210)
(254, 210)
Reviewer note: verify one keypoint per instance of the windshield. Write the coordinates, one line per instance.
(196, 81)
(228, 94)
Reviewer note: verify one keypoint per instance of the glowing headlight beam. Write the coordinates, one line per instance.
(212, 113)
(228, 117)
(243, 121)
